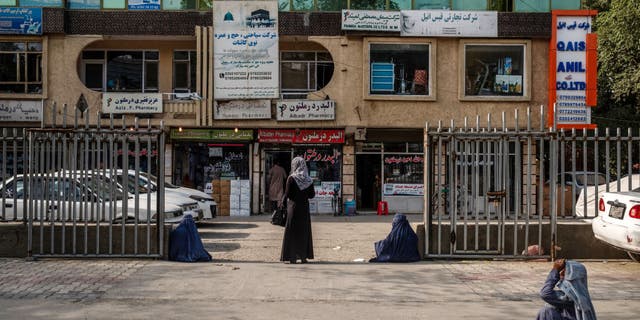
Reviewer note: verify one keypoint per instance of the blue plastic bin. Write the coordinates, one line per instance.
(350, 207)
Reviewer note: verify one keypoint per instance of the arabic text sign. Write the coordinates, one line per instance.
(327, 189)
(571, 74)
(306, 110)
(440, 23)
(211, 134)
(302, 137)
(245, 48)
(21, 20)
(370, 20)
(20, 110)
(144, 4)
(403, 189)
(132, 103)
(242, 109)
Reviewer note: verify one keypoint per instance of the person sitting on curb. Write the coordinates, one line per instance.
(572, 301)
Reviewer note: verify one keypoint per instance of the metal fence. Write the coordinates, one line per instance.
(499, 191)
(79, 192)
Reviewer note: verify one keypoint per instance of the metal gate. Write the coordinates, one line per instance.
(80, 191)
(483, 187)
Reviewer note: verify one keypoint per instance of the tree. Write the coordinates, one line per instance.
(618, 31)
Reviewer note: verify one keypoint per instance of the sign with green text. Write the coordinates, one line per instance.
(211, 134)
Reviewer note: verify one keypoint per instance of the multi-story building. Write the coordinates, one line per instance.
(353, 100)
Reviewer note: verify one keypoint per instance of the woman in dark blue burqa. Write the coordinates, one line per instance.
(572, 301)
(401, 245)
(185, 244)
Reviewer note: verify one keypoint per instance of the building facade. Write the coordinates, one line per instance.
(352, 100)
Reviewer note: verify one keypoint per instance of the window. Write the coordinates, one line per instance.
(8, 3)
(399, 69)
(470, 4)
(21, 67)
(83, 4)
(41, 3)
(302, 72)
(179, 4)
(332, 5)
(368, 4)
(431, 4)
(302, 5)
(120, 71)
(184, 71)
(545, 5)
(495, 70)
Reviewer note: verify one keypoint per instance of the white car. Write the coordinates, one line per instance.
(205, 202)
(58, 197)
(618, 221)
(146, 195)
(590, 194)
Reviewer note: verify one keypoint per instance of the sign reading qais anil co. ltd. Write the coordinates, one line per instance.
(572, 69)
(20, 110)
(440, 23)
(20, 20)
(371, 20)
(245, 49)
(132, 103)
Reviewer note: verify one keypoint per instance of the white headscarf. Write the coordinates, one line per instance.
(299, 173)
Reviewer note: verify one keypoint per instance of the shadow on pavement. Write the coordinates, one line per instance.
(226, 225)
(223, 235)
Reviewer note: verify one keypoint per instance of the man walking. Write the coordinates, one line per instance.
(276, 177)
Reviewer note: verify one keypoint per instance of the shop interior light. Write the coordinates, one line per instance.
(180, 129)
(235, 130)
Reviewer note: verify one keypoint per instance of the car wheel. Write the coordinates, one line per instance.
(634, 256)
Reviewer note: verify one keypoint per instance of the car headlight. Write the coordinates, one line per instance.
(189, 206)
(172, 214)
(200, 199)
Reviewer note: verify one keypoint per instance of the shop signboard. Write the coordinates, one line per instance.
(573, 69)
(245, 49)
(403, 189)
(144, 4)
(20, 110)
(113, 102)
(211, 134)
(371, 20)
(20, 20)
(303, 110)
(448, 23)
(327, 189)
(242, 109)
(307, 136)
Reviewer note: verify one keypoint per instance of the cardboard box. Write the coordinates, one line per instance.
(223, 211)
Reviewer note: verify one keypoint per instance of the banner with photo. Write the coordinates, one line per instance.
(245, 49)
(20, 20)
(370, 20)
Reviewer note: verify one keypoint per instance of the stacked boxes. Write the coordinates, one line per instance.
(240, 198)
(224, 205)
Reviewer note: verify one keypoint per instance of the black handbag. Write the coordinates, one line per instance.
(279, 216)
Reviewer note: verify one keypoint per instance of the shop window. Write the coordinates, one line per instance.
(399, 69)
(403, 174)
(431, 4)
(120, 71)
(324, 163)
(302, 72)
(114, 4)
(21, 67)
(197, 164)
(399, 4)
(184, 71)
(469, 4)
(331, 5)
(41, 3)
(495, 70)
(179, 4)
(368, 4)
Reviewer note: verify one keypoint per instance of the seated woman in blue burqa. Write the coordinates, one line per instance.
(572, 300)
(401, 245)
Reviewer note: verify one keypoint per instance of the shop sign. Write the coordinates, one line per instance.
(245, 49)
(20, 20)
(370, 20)
(403, 189)
(242, 109)
(306, 110)
(403, 159)
(20, 110)
(144, 4)
(327, 189)
(132, 102)
(301, 136)
(572, 93)
(319, 156)
(211, 134)
(446, 23)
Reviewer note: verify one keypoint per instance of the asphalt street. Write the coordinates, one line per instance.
(246, 281)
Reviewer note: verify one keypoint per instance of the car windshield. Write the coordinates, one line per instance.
(103, 189)
(132, 185)
(592, 179)
(154, 180)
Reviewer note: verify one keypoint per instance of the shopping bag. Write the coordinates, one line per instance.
(279, 217)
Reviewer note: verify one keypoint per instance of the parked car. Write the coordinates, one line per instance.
(80, 198)
(205, 202)
(618, 221)
(148, 195)
(590, 210)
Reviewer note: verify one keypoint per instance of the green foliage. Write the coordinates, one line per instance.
(619, 50)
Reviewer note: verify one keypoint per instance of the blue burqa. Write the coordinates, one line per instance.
(185, 244)
(401, 245)
(572, 301)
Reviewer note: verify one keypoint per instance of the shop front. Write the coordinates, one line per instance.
(216, 161)
(389, 168)
(321, 149)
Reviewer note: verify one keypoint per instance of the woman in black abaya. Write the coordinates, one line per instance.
(297, 243)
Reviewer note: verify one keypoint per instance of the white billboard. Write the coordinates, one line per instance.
(245, 49)
(131, 102)
(441, 23)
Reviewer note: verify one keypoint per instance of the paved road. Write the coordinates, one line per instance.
(245, 281)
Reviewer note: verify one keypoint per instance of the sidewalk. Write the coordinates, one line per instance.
(240, 284)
